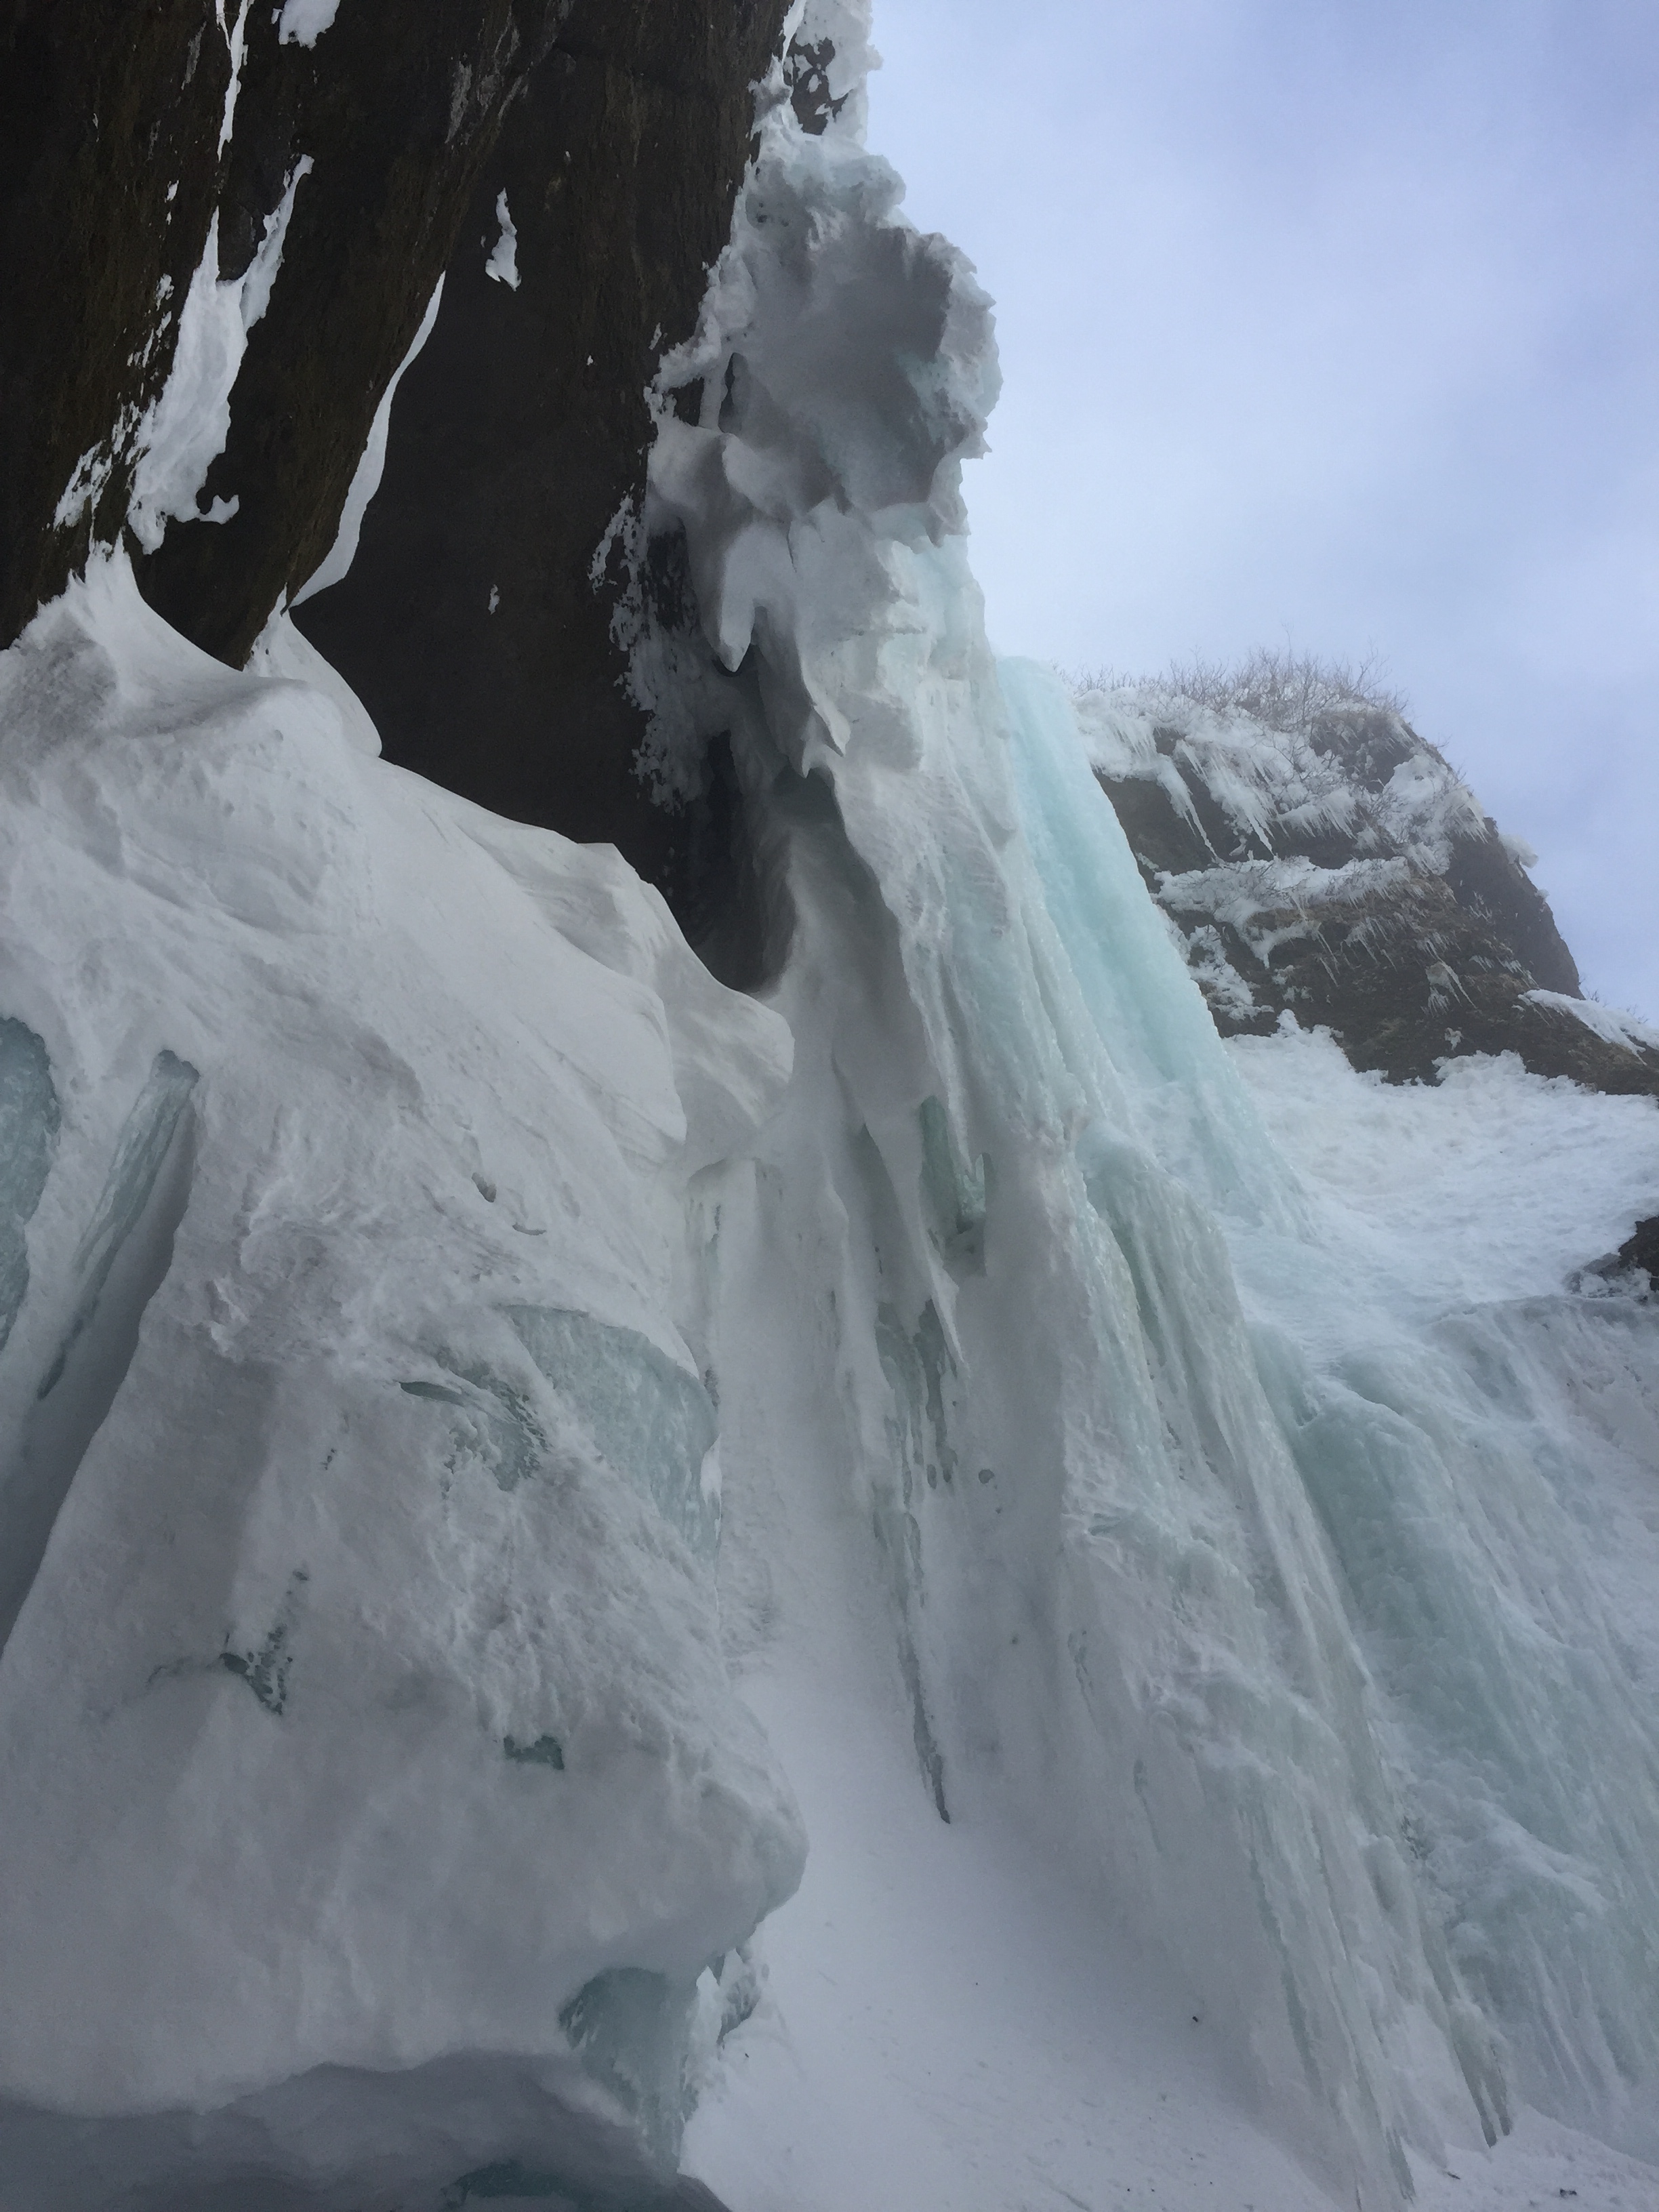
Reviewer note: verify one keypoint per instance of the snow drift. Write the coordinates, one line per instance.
(360, 1488)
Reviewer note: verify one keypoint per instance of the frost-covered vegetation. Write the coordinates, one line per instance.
(1276, 686)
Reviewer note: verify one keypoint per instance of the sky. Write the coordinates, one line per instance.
(1332, 323)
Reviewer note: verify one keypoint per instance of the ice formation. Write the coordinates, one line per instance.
(358, 1493)
(461, 1363)
(1284, 1606)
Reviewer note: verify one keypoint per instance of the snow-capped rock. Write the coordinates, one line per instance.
(1339, 869)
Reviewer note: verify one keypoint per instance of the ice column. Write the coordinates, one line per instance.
(1112, 1592)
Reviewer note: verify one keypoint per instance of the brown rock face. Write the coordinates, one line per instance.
(397, 107)
(1343, 872)
(110, 115)
(474, 623)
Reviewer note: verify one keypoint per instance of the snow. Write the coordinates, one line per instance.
(304, 21)
(186, 431)
(85, 487)
(495, 1422)
(1241, 894)
(948, 2029)
(503, 262)
(28, 1137)
(1491, 1186)
(365, 1121)
(371, 467)
(235, 35)
(1261, 777)
(1605, 1022)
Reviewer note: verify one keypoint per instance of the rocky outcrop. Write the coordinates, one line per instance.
(1342, 872)
(312, 172)
(145, 144)
(476, 622)
(1631, 1272)
(1642, 1250)
(110, 117)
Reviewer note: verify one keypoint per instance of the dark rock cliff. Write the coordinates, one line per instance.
(110, 116)
(124, 128)
(1341, 871)
(398, 109)
(473, 624)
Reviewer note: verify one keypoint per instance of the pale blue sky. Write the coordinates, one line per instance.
(1339, 320)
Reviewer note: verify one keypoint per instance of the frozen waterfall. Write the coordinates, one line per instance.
(1277, 1597)
(493, 1418)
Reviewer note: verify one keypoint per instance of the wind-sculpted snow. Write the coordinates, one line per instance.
(118, 1265)
(362, 1710)
(28, 1136)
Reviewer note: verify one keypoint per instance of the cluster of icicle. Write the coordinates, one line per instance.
(1304, 1652)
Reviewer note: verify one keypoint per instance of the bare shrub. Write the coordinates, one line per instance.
(1278, 686)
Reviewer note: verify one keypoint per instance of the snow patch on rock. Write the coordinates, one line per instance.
(302, 23)
(186, 430)
(371, 467)
(1606, 1022)
(503, 262)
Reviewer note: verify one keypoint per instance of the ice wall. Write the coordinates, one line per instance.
(1291, 1634)
(373, 1794)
